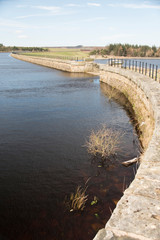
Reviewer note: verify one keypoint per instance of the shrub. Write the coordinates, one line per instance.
(103, 142)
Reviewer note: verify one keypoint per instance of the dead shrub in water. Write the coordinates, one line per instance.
(103, 142)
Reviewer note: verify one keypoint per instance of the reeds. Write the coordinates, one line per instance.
(78, 199)
(103, 142)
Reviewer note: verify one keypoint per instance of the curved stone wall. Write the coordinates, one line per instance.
(137, 214)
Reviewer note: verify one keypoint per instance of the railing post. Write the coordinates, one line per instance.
(139, 67)
(136, 67)
(142, 67)
(149, 70)
(156, 72)
(129, 64)
(125, 64)
(153, 71)
(145, 68)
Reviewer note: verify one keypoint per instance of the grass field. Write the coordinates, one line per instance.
(65, 53)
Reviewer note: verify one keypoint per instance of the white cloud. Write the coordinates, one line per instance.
(22, 6)
(53, 10)
(74, 5)
(23, 36)
(93, 19)
(94, 4)
(48, 8)
(10, 23)
(136, 6)
(31, 15)
(47, 11)
(13, 25)
(111, 28)
(86, 20)
(44, 15)
(19, 31)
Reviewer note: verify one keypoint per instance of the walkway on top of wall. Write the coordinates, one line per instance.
(137, 214)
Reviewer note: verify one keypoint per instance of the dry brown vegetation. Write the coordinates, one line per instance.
(104, 142)
(78, 199)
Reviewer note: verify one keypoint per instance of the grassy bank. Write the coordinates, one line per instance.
(61, 53)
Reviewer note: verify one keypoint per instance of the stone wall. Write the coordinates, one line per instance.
(128, 85)
(64, 65)
(137, 214)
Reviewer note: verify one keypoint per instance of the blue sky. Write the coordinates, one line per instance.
(74, 22)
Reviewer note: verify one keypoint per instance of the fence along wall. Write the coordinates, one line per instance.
(137, 214)
(145, 68)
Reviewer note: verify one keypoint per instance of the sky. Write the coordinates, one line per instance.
(79, 22)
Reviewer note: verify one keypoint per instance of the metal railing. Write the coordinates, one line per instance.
(145, 68)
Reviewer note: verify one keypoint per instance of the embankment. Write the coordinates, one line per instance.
(137, 214)
(60, 64)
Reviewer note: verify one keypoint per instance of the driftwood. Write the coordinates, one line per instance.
(130, 162)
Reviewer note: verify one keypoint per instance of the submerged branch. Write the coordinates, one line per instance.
(130, 162)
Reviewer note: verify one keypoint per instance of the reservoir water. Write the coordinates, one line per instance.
(45, 118)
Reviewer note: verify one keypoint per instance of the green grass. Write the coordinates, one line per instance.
(61, 53)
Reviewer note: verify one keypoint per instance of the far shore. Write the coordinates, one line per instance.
(119, 57)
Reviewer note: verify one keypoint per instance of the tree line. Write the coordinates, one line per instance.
(15, 48)
(127, 50)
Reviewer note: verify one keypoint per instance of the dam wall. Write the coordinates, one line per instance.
(137, 214)
(60, 64)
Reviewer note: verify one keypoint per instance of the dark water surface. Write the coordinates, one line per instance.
(45, 118)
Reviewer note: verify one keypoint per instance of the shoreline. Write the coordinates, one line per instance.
(122, 57)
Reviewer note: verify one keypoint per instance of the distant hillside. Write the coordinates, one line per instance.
(127, 50)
